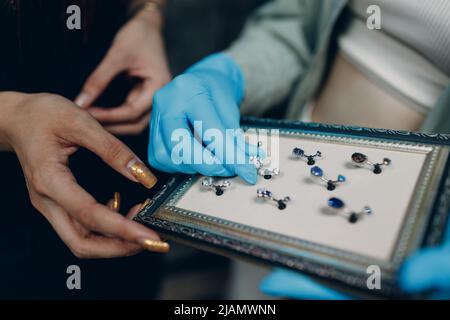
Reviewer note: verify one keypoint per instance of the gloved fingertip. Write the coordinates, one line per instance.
(247, 172)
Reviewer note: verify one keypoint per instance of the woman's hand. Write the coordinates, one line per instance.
(137, 50)
(44, 130)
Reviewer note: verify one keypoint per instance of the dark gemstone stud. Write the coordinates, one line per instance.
(361, 159)
(219, 191)
(331, 184)
(219, 188)
(266, 194)
(310, 159)
(351, 216)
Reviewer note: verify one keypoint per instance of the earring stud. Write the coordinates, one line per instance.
(219, 188)
(331, 184)
(352, 216)
(263, 169)
(266, 194)
(310, 159)
(361, 159)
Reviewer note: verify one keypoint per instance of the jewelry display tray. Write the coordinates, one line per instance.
(410, 201)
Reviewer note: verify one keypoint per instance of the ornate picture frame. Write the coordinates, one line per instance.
(423, 226)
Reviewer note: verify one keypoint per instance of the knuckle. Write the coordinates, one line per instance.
(179, 81)
(123, 230)
(142, 126)
(80, 251)
(114, 149)
(35, 201)
(134, 111)
(81, 117)
(138, 129)
(85, 216)
(158, 98)
(39, 181)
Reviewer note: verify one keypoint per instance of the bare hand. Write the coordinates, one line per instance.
(44, 130)
(137, 50)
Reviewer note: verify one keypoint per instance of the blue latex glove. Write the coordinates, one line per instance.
(427, 270)
(211, 92)
(290, 284)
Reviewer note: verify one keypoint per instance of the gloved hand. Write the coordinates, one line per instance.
(427, 270)
(210, 92)
(290, 284)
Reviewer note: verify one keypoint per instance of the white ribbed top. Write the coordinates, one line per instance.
(411, 53)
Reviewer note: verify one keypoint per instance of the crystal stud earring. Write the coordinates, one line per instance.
(331, 184)
(219, 188)
(310, 159)
(352, 216)
(361, 159)
(266, 194)
(263, 168)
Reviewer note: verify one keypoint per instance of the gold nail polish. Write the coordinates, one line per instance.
(156, 246)
(116, 201)
(142, 173)
(146, 203)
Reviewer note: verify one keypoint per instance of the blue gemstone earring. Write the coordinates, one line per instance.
(219, 188)
(361, 159)
(310, 159)
(331, 184)
(266, 194)
(352, 216)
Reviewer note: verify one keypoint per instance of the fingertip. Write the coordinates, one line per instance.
(82, 100)
(157, 246)
(141, 173)
(114, 203)
(135, 210)
(247, 172)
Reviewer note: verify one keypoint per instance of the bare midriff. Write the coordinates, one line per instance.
(350, 97)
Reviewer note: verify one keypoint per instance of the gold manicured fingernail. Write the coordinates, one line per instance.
(142, 173)
(146, 203)
(156, 246)
(116, 201)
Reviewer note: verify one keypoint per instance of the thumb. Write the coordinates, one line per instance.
(426, 270)
(96, 83)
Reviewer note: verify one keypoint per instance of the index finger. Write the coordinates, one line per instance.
(114, 152)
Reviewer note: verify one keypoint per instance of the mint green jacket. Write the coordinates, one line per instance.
(283, 53)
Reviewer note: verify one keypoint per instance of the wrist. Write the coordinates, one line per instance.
(149, 11)
(223, 63)
(9, 103)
